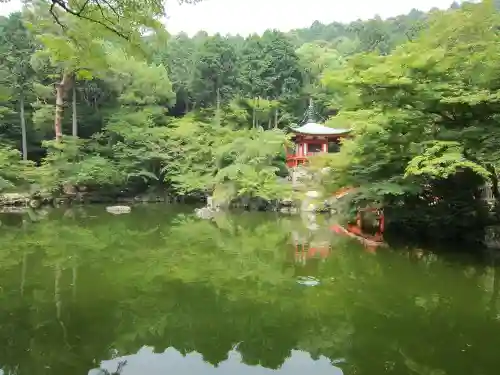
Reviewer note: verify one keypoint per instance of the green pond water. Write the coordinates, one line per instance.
(159, 292)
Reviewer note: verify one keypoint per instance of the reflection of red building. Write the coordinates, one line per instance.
(371, 241)
(312, 139)
(304, 252)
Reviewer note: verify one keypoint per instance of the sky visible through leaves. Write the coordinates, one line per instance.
(258, 15)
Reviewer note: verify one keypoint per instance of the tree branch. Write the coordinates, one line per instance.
(79, 14)
(52, 12)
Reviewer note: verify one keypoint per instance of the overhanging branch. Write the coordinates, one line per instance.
(80, 13)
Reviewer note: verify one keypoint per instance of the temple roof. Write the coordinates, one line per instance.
(312, 128)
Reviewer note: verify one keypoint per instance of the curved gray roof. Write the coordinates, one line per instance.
(313, 128)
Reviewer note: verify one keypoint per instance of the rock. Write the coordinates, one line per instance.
(325, 171)
(204, 213)
(35, 203)
(13, 196)
(492, 237)
(69, 189)
(214, 204)
(307, 281)
(13, 210)
(14, 199)
(117, 210)
(313, 194)
(56, 202)
(210, 202)
(288, 210)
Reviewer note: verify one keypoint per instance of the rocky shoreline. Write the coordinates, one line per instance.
(41, 199)
(310, 201)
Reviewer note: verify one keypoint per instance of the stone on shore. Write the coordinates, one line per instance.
(118, 210)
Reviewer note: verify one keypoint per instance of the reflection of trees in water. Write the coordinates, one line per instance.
(144, 279)
(118, 371)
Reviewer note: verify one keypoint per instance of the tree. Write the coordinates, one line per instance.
(121, 17)
(429, 98)
(17, 47)
(179, 57)
(79, 49)
(216, 72)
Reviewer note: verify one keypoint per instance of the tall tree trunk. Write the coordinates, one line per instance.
(276, 118)
(218, 99)
(254, 118)
(217, 108)
(257, 122)
(23, 127)
(61, 88)
(75, 122)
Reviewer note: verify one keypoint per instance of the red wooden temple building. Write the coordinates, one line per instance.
(311, 139)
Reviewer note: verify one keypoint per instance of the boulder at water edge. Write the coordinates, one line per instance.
(313, 194)
(204, 213)
(117, 210)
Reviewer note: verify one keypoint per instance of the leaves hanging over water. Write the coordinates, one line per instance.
(441, 160)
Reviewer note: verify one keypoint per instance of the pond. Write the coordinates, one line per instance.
(158, 291)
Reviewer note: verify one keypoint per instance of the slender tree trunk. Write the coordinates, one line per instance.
(276, 118)
(23, 127)
(59, 111)
(257, 123)
(217, 110)
(218, 99)
(253, 113)
(61, 88)
(494, 181)
(75, 121)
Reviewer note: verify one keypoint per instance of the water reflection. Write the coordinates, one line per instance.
(173, 362)
(82, 290)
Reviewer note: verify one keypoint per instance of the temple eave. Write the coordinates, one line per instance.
(336, 134)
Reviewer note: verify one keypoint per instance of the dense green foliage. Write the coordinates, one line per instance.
(425, 124)
(207, 114)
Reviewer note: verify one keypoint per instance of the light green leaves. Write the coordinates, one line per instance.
(441, 160)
